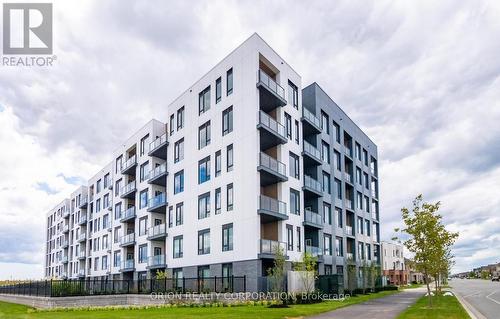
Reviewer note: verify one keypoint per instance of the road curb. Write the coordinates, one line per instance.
(473, 312)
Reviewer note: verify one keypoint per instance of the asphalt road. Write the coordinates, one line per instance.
(381, 308)
(482, 295)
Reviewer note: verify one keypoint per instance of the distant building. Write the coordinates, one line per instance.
(414, 276)
(393, 264)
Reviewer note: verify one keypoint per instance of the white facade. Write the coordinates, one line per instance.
(392, 256)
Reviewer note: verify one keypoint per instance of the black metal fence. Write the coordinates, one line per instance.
(330, 284)
(87, 287)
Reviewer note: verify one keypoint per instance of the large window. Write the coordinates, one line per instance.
(357, 151)
(326, 183)
(179, 182)
(327, 213)
(229, 157)
(204, 100)
(293, 95)
(117, 258)
(144, 142)
(143, 225)
(359, 178)
(178, 246)
(227, 237)
(218, 201)
(143, 171)
(218, 90)
(339, 246)
(179, 214)
(294, 202)
(288, 125)
(229, 197)
(297, 132)
(293, 163)
(227, 121)
(204, 206)
(143, 198)
(143, 253)
(180, 118)
(336, 128)
(289, 237)
(298, 238)
(325, 152)
(204, 135)
(204, 242)
(324, 122)
(204, 170)
(327, 244)
(229, 81)
(179, 150)
(218, 163)
(337, 159)
(338, 189)
(171, 124)
(338, 217)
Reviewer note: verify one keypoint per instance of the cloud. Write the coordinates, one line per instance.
(420, 78)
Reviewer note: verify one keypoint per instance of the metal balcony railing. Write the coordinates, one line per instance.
(268, 246)
(158, 142)
(271, 124)
(312, 150)
(157, 230)
(311, 117)
(312, 183)
(272, 205)
(272, 164)
(271, 84)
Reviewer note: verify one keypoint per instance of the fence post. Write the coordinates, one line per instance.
(50, 288)
(215, 285)
(183, 285)
(150, 285)
(244, 283)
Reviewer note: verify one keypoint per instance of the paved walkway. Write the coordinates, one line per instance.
(380, 308)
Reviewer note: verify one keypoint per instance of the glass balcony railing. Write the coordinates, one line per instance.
(311, 150)
(81, 273)
(65, 228)
(158, 230)
(272, 205)
(158, 142)
(157, 171)
(83, 219)
(82, 236)
(314, 251)
(83, 201)
(127, 239)
(349, 256)
(129, 213)
(374, 216)
(271, 84)
(268, 246)
(312, 217)
(272, 164)
(348, 177)
(158, 200)
(311, 117)
(348, 204)
(128, 264)
(349, 230)
(129, 163)
(128, 188)
(64, 259)
(158, 260)
(347, 150)
(312, 183)
(271, 124)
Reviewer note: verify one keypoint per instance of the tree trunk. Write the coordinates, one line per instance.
(428, 288)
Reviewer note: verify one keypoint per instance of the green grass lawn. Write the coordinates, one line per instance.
(14, 311)
(443, 307)
(412, 286)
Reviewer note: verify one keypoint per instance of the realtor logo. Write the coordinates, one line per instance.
(27, 28)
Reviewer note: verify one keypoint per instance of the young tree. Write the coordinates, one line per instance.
(277, 272)
(307, 268)
(351, 275)
(429, 240)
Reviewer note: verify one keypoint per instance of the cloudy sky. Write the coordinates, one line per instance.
(420, 77)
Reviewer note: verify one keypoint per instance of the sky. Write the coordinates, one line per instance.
(421, 78)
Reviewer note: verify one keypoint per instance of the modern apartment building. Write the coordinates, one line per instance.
(246, 162)
(393, 263)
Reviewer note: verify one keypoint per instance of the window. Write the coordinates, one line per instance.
(98, 186)
(327, 244)
(218, 90)
(218, 163)
(171, 125)
(107, 180)
(324, 123)
(367, 227)
(365, 157)
(368, 251)
(338, 217)
(327, 213)
(179, 150)
(325, 152)
(179, 214)
(297, 132)
(360, 225)
(204, 100)
(179, 182)
(367, 183)
(294, 202)
(178, 246)
(117, 234)
(229, 155)
(229, 81)
(204, 170)
(204, 242)
(117, 258)
(298, 238)
(229, 197)
(227, 237)
(293, 95)
(204, 206)
(177, 275)
(336, 128)
(118, 210)
(337, 158)
(143, 253)
(338, 189)
(118, 165)
(218, 204)
(118, 185)
(143, 198)
(180, 118)
(143, 171)
(144, 142)
(326, 183)
(339, 246)
(204, 135)
(359, 201)
(227, 273)
(359, 178)
(294, 165)
(367, 204)
(98, 205)
(143, 225)
(289, 237)
(361, 251)
(170, 217)
(288, 125)
(357, 151)
(105, 200)
(227, 121)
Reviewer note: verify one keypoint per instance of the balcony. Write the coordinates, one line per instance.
(65, 244)
(82, 220)
(349, 230)
(158, 232)
(158, 204)
(311, 124)
(312, 186)
(65, 229)
(312, 155)
(110, 184)
(81, 273)
(349, 205)
(348, 151)
(374, 216)
(81, 255)
(64, 259)
(158, 148)
(127, 266)
(127, 240)
(66, 214)
(109, 207)
(82, 237)
(272, 171)
(313, 219)
(156, 262)
(271, 209)
(271, 94)
(272, 132)
(349, 256)
(269, 247)
(128, 191)
(83, 202)
(348, 177)
(127, 215)
(158, 175)
(314, 251)
(107, 226)
(129, 166)
(64, 275)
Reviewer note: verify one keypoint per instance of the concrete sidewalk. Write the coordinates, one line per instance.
(380, 308)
